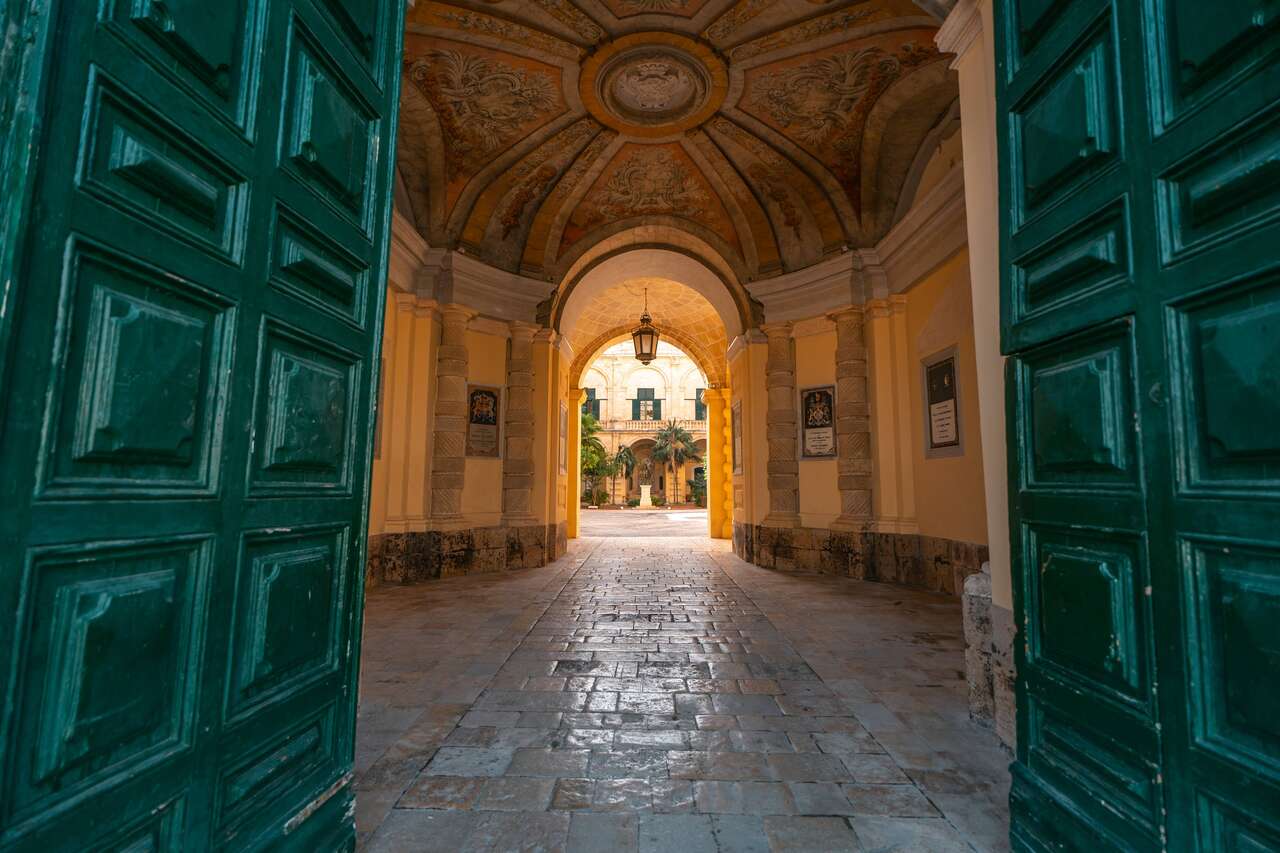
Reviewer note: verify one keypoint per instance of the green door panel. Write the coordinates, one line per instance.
(191, 323)
(1139, 152)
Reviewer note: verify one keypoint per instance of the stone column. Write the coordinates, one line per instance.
(517, 460)
(573, 465)
(781, 431)
(853, 422)
(448, 457)
(719, 463)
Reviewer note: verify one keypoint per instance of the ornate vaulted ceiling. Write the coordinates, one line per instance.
(769, 132)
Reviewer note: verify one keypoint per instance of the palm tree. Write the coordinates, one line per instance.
(593, 455)
(673, 447)
(624, 461)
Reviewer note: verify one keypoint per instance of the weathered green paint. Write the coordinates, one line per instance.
(196, 216)
(1141, 314)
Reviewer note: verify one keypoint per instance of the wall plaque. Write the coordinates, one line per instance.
(483, 420)
(942, 405)
(818, 422)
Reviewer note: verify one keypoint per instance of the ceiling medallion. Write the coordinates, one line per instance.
(653, 84)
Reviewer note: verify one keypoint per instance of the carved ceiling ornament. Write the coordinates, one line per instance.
(483, 104)
(651, 181)
(548, 124)
(653, 85)
(823, 104)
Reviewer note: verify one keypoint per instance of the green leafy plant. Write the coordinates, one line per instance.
(674, 446)
(659, 501)
(633, 502)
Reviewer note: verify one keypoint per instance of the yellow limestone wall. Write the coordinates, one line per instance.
(399, 498)
(949, 493)
(819, 489)
(482, 493)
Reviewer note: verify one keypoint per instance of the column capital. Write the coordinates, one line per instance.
(455, 313)
(960, 30)
(849, 312)
(521, 330)
(777, 330)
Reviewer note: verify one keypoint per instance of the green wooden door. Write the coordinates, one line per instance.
(192, 315)
(1140, 185)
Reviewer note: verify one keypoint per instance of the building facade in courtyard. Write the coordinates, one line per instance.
(633, 401)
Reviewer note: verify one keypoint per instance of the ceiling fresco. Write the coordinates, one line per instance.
(775, 132)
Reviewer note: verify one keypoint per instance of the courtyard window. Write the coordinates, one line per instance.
(644, 407)
(591, 406)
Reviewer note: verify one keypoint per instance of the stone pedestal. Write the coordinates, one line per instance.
(645, 499)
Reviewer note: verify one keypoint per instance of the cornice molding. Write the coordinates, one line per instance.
(496, 293)
(933, 230)
(960, 30)
(812, 326)
(739, 344)
(813, 290)
(490, 326)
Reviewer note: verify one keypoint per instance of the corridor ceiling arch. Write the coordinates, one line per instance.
(636, 269)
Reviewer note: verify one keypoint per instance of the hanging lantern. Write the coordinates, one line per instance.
(645, 337)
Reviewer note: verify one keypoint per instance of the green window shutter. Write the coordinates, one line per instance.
(699, 406)
(588, 404)
(657, 410)
(635, 409)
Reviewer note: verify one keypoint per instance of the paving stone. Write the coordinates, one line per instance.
(889, 800)
(874, 769)
(441, 792)
(687, 833)
(758, 798)
(739, 833)
(467, 761)
(549, 763)
(896, 835)
(423, 831)
(628, 764)
(604, 833)
(519, 832)
(807, 767)
(516, 794)
(809, 835)
(819, 798)
(572, 794)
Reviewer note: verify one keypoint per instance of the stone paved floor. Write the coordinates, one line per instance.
(644, 522)
(660, 694)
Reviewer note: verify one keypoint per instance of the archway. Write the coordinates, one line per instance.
(599, 314)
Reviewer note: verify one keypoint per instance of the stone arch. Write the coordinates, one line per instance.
(712, 365)
(627, 261)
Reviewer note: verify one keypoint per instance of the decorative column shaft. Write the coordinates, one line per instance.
(573, 465)
(781, 430)
(517, 461)
(719, 462)
(448, 458)
(853, 421)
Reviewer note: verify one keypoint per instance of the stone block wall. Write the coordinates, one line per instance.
(920, 562)
(432, 554)
(989, 636)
